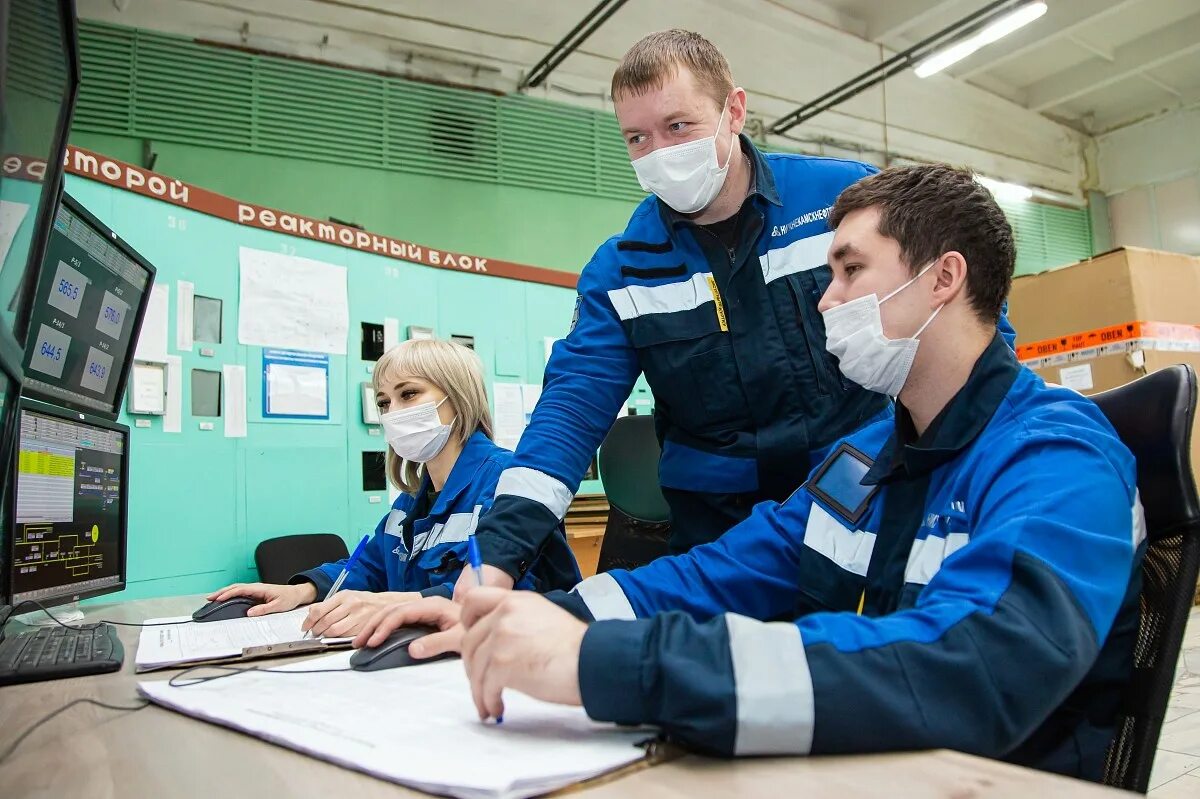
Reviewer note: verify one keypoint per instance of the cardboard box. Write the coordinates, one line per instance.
(1082, 325)
(1085, 316)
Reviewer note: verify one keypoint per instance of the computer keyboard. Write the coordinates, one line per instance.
(51, 653)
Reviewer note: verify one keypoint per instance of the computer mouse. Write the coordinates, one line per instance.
(234, 608)
(393, 652)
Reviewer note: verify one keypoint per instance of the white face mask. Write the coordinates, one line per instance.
(686, 176)
(854, 334)
(417, 434)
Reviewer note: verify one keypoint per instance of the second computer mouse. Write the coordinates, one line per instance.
(393, 652)
(234, 608)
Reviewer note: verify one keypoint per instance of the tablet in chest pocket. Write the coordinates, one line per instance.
(838, 483)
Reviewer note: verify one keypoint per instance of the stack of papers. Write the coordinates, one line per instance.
(202, 642)
(416, 726)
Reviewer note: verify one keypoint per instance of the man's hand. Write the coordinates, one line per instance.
(348, 611)
(492, 576)
(434, 611)
(275, 598)
(520, 640)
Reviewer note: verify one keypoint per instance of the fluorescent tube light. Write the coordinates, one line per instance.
(1005, 191)
(1019, 18)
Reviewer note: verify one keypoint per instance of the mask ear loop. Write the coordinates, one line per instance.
(729, 157)
(915, 278)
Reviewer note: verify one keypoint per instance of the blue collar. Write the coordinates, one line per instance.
(956, 427)
(476, 451)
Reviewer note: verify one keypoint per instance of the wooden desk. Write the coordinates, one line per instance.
(88, 751)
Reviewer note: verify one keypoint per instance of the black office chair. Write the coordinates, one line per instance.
(279, 558)
(1154, 417)
(638, 526)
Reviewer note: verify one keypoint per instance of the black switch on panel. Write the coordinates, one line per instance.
(373, 474)
(372, 341)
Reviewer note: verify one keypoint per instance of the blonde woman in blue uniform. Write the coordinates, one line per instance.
(433, 408)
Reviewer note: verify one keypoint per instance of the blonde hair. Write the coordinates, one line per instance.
(658, 56)
(453, 369)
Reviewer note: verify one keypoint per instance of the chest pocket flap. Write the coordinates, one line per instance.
(833, 561)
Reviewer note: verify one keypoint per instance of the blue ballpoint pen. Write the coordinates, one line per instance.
(337, 584)
(477, 567)
(476, 560)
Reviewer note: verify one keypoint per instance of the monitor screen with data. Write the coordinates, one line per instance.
(86, 314)
(67, 518)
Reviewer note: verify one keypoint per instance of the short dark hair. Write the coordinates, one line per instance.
(932, 209)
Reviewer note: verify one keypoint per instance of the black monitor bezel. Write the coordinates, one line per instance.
(11, 358)
(10, 503)
(53, 175)
(127, 367)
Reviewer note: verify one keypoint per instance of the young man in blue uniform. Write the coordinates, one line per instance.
(964, 576)
(711, 291)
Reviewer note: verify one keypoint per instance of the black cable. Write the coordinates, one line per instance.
(95, 625)
(232, 671)
(33, 727)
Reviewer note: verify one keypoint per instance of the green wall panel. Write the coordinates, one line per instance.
(200, 502)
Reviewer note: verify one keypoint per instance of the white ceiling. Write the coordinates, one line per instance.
(1017, 110)
(1094, 64)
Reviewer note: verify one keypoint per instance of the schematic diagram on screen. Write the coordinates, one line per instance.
(68, 504)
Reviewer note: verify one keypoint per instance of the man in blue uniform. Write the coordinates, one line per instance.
(964, 576)
(711, 291)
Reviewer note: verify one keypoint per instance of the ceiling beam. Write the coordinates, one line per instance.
(1130, 59)
(897, 17)
(1061, 20)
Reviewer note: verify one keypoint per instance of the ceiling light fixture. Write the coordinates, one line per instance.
(1001, 190)
(1019, 18)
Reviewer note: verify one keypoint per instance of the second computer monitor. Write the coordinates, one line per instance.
(86, 314)
(66, 521)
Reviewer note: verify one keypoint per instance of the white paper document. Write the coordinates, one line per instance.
(152, 341)
(148, 385)
(416, 726)
(235, 400)
(173, 416)
(174, 644)
(291, 302)
(510, 414)
(297, 390)
(185, 307)
(11, 216)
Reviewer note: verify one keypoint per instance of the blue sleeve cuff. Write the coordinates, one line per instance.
(315, 576)
(572, 603)
(445, 590)
(611, 659)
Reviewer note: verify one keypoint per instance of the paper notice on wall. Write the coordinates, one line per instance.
(391, 333)
(292, 302)
(296, 384)
(235, 401)
(152, 341)
(509, 419)
(11, 216)
(548, 346)
(185, 305)
(148, 388)
(173, 418)
(1077, 377)
(530, 394)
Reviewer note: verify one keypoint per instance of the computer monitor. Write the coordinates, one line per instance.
(66, 513)
(86, 315)
(39, 81)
